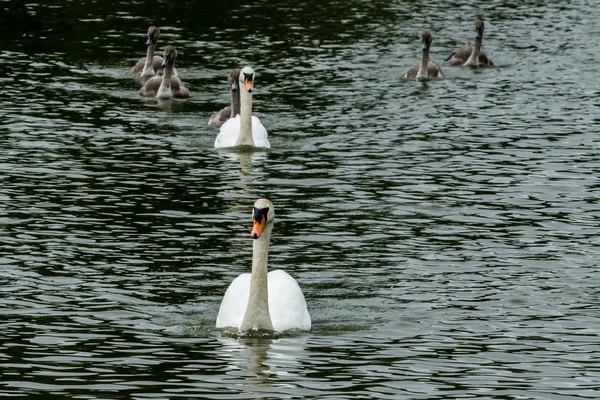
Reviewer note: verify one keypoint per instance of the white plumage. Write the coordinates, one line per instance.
(286, 303)
(262, 300)
(230, 132)
(245, 129)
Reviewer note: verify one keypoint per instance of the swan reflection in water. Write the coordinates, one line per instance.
(242, 160)
(168, 105)
(261, 359)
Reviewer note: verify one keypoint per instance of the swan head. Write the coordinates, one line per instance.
(263, 213)
(246, 78)
(170, 55)
(153, 34)
(232, 79)
(426, 38)
(479, 27)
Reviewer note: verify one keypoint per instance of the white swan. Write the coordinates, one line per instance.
(261, 301)
(245, 129)
(427, 68)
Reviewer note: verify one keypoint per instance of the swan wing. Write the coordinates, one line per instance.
(411, 72)
(287, 305)
(433, 71)
(157, 63)
(234, 303)
(150, 88)
(259, 134)
(220, 116)
(460, 56)
(484, 60)
(139, 66)
(179, 91)
(228, 133)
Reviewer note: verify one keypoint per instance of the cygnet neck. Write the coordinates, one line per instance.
(164, 91)
(149, 65)
(422, 73)
(474, 58)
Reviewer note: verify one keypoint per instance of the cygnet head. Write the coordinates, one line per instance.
(153, 34)
(426, 39)
(232, 79)
(169, 56)
(479, 27)
(263, 213)
(246, 78)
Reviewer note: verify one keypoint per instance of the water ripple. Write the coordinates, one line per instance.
(444, 234)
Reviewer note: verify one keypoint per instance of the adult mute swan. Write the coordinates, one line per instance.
(245, 129)
(472, 55)
(427, 68)
(232, 110)
(166, 86)
(148, 66)
(261, 301)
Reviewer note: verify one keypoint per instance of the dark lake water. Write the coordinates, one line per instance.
(446, 235)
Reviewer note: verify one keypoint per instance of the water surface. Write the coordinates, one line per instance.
(445, 234)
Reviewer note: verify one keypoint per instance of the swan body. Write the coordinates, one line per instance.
(229, 133)
(263, 301)
(283, 289)
(472, 55)
(150, 65)
(232, 110)
(167, 85)
(426, 68)
(245, 129)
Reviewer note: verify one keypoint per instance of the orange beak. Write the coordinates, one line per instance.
(249, 85)
(257, 230)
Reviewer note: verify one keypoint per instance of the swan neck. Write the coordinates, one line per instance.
(164, 91)
(257, 314)
(423, 67)
(474, 58)
(235, 103)
(477, 46)
(245, 137)
(148, 69)
(168, 72)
